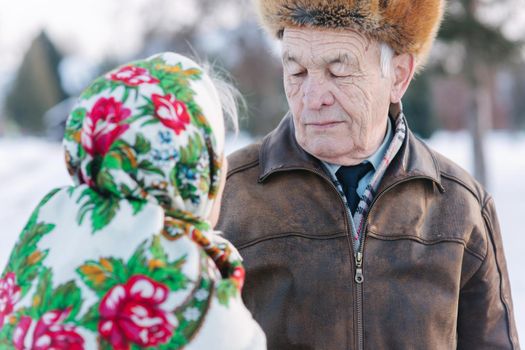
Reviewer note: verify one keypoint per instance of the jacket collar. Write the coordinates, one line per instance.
(281, 152)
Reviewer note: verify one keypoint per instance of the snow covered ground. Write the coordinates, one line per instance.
(29, 168)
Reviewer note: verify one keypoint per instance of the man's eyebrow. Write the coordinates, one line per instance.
(287, 57)
(341, 58)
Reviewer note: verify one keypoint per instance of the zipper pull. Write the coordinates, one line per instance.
(358, 268)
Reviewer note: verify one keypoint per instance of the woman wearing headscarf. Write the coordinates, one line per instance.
(127, 257)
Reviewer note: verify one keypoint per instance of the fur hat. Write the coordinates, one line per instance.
(408, 26)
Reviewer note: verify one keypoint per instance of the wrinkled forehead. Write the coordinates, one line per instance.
(325, 46)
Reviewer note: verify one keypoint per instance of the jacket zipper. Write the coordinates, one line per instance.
(358, 256)
(348, 231)
(359, 296)
(359, 277)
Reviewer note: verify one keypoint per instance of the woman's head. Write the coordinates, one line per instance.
(150, 130)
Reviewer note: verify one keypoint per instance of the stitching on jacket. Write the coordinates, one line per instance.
(502, 297)
(426, 242)
(242, 168)
(479, 199)
(463, 184)
(472, 252)
(470, 275)
(486, 203)
(487, 221)
(290, 234)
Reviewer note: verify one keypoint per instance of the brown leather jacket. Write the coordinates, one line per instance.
(434, 271)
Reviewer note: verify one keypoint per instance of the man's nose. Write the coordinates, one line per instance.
(316, 93)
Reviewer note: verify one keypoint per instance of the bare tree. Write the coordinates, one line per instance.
(485, 49)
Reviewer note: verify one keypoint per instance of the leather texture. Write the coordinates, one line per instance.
(434, 269)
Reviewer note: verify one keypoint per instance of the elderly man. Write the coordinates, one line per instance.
(355, 234)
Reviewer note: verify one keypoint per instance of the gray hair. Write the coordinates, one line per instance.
(387, 53)
(230, 97)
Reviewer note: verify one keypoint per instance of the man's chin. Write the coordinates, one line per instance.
(326, 151)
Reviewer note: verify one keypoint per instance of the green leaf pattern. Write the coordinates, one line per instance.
(146, 155)
(149, 179)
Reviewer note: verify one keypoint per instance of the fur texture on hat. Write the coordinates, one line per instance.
(408, 26)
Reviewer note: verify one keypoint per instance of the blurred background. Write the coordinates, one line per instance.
(469, 102)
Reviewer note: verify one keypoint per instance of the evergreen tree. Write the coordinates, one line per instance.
(37, 86)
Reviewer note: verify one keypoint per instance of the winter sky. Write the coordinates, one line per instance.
(95, 29)
(90, 31)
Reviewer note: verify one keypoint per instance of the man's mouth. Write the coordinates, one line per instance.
(324, 124)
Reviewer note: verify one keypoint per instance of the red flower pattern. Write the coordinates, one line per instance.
(133, 76)
(103, 125)
(9, 295)
(49, 333)
(171, 112)
(238, 276)
(131, 313)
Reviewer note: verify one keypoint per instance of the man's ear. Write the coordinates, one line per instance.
(404, 66)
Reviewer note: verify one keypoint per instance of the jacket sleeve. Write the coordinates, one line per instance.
(486, 319)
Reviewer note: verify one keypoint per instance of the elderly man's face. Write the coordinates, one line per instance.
(337, 93)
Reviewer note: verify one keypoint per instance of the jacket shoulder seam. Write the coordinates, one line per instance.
(462, 184)
(242, 167)
(482, 204)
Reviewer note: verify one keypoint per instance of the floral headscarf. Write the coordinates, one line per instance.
(126, 258)
(149, 130)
